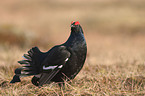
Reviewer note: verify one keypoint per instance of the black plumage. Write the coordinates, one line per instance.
(62, 62)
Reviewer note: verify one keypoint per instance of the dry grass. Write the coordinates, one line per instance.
(114, 31)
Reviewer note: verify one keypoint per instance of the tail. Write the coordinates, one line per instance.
(30, 65)
(15, 79)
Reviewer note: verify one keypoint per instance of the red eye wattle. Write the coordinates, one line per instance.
(77, 23)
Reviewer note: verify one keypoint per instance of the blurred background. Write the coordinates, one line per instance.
(114, 31)
(112, 27)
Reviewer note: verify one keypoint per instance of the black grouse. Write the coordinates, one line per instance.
(62, 62)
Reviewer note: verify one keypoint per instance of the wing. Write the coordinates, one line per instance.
(53, 63)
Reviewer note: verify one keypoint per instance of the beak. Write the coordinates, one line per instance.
(72, 26)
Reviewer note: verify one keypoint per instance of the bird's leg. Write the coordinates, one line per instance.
(61, 85)
(35, 81)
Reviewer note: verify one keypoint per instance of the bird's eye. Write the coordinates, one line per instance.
(72, 22)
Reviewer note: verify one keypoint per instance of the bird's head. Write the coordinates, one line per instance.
(75, 26)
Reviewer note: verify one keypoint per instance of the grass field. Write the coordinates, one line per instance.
(115, 35)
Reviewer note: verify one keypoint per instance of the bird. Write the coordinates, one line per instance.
(60, 63)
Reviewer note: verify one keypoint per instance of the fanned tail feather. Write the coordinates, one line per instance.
(30, 65)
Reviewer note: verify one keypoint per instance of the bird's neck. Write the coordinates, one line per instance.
(74, 37)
